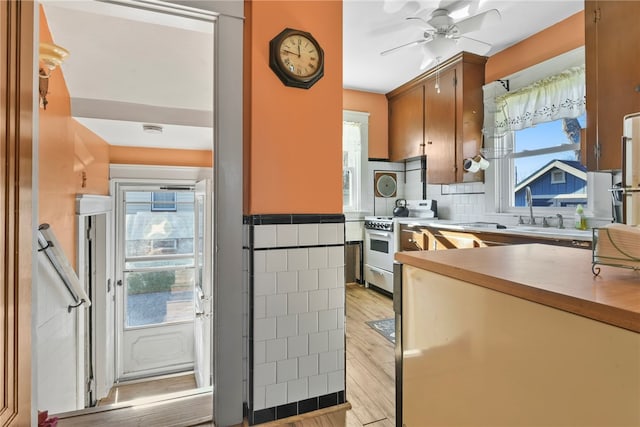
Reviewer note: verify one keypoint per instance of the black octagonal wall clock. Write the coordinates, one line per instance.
(296, 58)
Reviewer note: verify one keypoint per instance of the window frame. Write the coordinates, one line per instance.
(499, 181)
(358, 178)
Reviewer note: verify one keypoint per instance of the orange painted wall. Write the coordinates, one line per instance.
(562, 37)
(376, 105)
(160, 156)
(293, 137)
(66, 151)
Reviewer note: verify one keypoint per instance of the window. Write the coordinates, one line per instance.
(558, 177)
(354, 158)
(546, 158)
(535, 132)
(163, 202)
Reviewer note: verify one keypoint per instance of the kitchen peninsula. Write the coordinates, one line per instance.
(520, 335)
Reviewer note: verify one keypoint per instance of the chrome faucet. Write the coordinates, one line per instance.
(529, 201)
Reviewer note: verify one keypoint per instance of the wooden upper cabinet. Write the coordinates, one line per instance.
(612, 62)
(440, 127)
(449, 122)
(406, 128)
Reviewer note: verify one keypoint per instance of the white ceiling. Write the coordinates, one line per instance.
(128, 66)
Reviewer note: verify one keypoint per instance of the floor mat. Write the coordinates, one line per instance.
(386, 327)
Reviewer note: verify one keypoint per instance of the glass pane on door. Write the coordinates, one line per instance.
(159, 262)
(159, 296)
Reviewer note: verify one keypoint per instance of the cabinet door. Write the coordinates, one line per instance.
(613, 81)
(440, 127)
(412, 239)
(406, 129)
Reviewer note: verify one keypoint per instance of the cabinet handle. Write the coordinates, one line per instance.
(429, 142)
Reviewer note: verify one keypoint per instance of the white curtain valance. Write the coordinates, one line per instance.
(556, 97)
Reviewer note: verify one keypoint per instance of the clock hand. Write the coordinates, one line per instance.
(292, 53)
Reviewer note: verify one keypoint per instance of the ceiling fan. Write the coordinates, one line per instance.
(443, 35)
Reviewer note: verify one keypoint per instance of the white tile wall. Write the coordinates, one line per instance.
(298, 307)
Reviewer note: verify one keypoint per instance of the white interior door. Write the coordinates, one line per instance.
(203, 283)
(156, 259)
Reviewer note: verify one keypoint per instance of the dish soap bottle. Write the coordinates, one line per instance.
(580, 220)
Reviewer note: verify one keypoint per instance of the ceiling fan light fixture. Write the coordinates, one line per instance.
(152, 129)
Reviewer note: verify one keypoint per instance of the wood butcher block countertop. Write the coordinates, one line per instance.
(555, 276)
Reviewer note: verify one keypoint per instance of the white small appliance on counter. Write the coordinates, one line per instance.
(422, 208)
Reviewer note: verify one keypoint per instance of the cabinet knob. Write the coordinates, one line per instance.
(637, 88)
(429, 142)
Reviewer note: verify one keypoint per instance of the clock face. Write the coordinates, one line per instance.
(296, 58)
(299, 56)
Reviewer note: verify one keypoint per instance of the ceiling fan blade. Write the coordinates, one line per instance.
(474, 46)
(419, 20)
(402, 46)
(479, 21)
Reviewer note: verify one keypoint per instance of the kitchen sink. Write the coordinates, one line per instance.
(551, 231)
(481, 224)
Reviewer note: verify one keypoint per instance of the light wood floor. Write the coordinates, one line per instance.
(129, 391)
(370, 366)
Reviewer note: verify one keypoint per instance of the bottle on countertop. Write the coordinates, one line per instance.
(580, 220)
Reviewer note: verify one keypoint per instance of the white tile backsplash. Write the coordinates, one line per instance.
(336, 256)
(336, 297)
(298, 307)
(318, 385)
(276, 350)
(259, 262)
(318, 300)
(327, 320)
(328, 362)
(318, 257)
(308, 234)
(264, 236)
(318, 342)
(335, 381)
(264, 374)
(328, 278)
(287, 326)
(297, 389)
(287, 281)
(259, 307)
(298, 346)
(328, 234)
(298, 259)
(307, 280)
(307, 323)
(286, 370)
(276, 395)
(308, 366)
(336, 339)
(259, 352)
(297, 303)
(286, 235)
(259, 393)
(264, 329)
(277, 260)
(276, 305)
(264, 284)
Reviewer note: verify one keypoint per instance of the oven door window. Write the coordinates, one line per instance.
(378, 245)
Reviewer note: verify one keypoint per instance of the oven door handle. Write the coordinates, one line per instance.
(380, 233)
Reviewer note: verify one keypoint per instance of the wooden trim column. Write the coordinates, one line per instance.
(16, 128)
